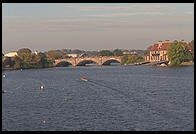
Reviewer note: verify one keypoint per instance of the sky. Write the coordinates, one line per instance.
(94, 26)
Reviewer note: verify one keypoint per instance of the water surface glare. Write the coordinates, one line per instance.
(133, 98)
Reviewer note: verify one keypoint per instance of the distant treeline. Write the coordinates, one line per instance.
(177, 54)
(26, 59)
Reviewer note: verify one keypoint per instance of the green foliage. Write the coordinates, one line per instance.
(8, 62)
(76, 51)
(131, 59)
(139, 59)
(124, 59)
(105, 53)
(23, 50)
(25, 59)
(192, 44)
(18, 62)
(17, 65)
(44, 61)
(117, 52)
(177, 53)
(54, 54)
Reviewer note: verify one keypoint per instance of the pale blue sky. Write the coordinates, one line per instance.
(94, 26)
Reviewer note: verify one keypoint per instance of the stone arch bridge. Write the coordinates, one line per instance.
(81, 61)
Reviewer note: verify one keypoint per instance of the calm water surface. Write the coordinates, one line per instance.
(133, 98)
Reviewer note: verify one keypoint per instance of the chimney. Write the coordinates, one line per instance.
(167, 41)
(160, 43)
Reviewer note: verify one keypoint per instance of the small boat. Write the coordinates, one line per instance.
(42, 87)
(4, 75)
(163, 65)
(4, 91)
(44, 121)
(84, 79)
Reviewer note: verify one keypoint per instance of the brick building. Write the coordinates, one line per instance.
(158, 52)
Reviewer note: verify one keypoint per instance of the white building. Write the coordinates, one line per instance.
(72, 55)
(11, 54)
(126, 52)
(36, 52)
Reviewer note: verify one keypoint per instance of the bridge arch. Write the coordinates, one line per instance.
(108, 62)
(63, 61)
(63, 64)
(86, 61)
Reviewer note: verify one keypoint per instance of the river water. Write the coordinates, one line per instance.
(131, 98)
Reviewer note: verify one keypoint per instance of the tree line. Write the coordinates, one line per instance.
(179, 53)
(26, 59)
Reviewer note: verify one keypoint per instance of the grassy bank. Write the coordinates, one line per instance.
(187, 64)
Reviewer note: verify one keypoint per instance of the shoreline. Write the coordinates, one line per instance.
(182, 64)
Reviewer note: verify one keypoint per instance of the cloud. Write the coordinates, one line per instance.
(131, 7)
(100, 22)
(12, 17)
(126, 14)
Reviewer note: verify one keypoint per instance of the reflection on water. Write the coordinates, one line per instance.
(115, 98)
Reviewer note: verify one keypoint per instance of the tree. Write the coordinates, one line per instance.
(54, 54)
(124, 59)
(43, 59)
(117, 52)
(131, 59)
(188, 55)
(26, 58)
(18, 63)
(24, 50)
(105, 53)
(176, 53)
(8, 62)
(76, 51)
(25, 55)
(139, 59)
(192, 44)
(36, 61)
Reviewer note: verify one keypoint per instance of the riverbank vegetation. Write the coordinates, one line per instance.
(179, 53)
(129, 59)
(26, 59)
(187, 64)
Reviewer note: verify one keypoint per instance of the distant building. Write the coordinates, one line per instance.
(11, 54)
(72, 55)
(36, 52)
(158, 51)
(134, 53)
(126, 52)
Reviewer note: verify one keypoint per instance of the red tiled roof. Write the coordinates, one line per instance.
(154, 47)
(165, 46)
